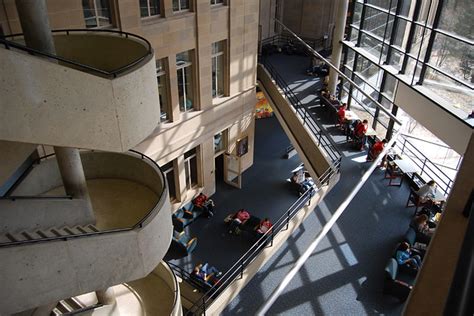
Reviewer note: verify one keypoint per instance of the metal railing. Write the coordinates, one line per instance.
(426, 166)
(323, 139)
(237, 270)
(9, 43)
(285, 38)
(440, 147)
(140, 224)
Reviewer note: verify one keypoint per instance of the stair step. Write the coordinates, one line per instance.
(93, 228)
(66, 306)
(74, 303)
(80, 229)
(10, 237)
(56, 312)
(61, 308)
(45, 234)
(67, 231)
(27, 236)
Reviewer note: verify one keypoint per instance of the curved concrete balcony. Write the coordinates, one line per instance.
(51, 253)
(98, 92)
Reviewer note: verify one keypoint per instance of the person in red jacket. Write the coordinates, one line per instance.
(376, 149)
(360, 131)
(341, 115)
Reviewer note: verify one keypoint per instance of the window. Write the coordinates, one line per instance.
(149, 8)
(96, 13)
(168, 170)
(190, 168)
(180, 5)
(217, 2)
(218, 69)
(185, 81)
(162, 90)
(220, 142)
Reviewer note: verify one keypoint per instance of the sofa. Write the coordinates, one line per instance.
(181, 245)
(398, 283)
(187, 214)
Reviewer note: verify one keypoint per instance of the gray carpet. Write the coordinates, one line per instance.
(345, 274)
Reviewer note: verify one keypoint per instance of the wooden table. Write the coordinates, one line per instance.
(351, 116)
(438, 197)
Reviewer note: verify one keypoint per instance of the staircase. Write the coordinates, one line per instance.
(44, 235)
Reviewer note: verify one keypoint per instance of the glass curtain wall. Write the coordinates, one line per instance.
(426, 42)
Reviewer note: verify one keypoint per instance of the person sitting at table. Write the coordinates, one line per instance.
(427, 191)
(360, 131)
(239, 218)
(404, 256)
(341, 116)
(376, 150)
(422, 228)
(264, 226)
(207, 273)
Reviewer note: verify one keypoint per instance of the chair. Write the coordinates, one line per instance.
(415, 200)
(392, 172)
(393, 285)
(181, 246)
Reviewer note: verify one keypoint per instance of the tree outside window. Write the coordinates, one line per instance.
(185, 81)
(96, 13)
(162, 90)
(218, 69)
(149, 8)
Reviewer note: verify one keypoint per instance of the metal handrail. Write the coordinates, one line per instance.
(238, 268)
(140, 224)
(100, 72)
(325, 141)
(407, 146)
(176, 285)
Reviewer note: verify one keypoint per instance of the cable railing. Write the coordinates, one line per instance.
(309, 119)
(9, 43)
(283, 39)
(426, 166)
(236, 271)
(140, 224)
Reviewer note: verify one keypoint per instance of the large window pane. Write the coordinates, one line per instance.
(357, 13)
(457, 17)
(149, 8)
(168, 170)
(162, 89)
(401, 33)
(190, 168)
(185, 81)
(454, 57)
(218, 69)
(375, 21)
(96, 13)
(453, 92)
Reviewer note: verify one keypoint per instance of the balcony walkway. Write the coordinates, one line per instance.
(345, 275)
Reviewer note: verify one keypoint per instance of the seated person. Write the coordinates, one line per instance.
(405, 257)
(427, 191)
(239, 218)
(207, 205)
(341, 115)
(264, 226)
(360, 131)
(375, 151)
(207, 273)
(422, 228)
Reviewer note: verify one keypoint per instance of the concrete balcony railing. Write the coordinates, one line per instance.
(57, 257)
(98, 92)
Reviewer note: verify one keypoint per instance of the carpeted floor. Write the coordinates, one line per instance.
(345, 274)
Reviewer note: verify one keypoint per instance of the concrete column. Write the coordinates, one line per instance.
(338, 36)
(72, 174)
(106, 297)
(34, 21)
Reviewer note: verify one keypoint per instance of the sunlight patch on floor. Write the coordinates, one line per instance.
(348, 254)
